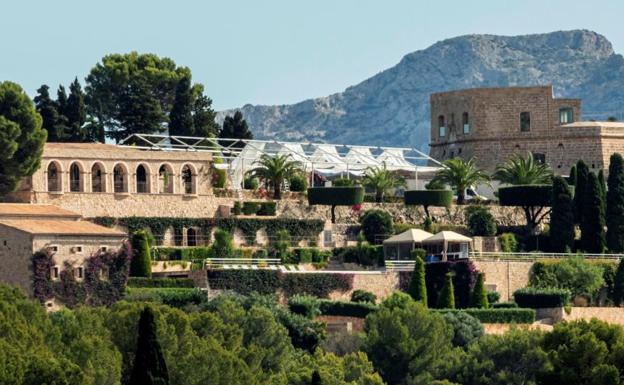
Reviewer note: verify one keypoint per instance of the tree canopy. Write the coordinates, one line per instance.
(519, 170)
(460, 174)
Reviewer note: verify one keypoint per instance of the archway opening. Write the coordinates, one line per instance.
(142, 180)
(75, 178)
(165, 179)
(97, 179)
(120, 179)
(54, 177)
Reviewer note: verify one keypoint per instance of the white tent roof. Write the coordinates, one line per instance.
(360, 156)
(447, 236)
(296, 152)
(394, 159)
(326, 158)
(411, 235)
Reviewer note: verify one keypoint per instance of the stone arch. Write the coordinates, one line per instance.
(142, 178)
(98, 177)
(165, 179)
(76, 177)
(120, 178)
(188, 174)
(191, 236)
(54, 174)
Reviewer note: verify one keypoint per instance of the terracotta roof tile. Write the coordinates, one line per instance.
(54, 227)
(30, 210)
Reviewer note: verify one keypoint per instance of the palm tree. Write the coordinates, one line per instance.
(518, 170)
(460, 174)
(274, 170)
(381, 179)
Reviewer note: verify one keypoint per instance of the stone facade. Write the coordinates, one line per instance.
(491, 124)
(505, 277)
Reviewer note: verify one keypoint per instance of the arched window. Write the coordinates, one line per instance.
(75, 178)
(165, 179)
(188, 180)
(120, 179)
(54, 177)
(142, 180)
(97, 178)
(191, 237)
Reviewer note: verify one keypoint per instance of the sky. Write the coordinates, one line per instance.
(267, 51)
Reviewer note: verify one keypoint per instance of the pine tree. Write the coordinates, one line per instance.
(139, 111)
(447, 294)
(48, 109)
(561, 217)
(615, 204)
(479, 294)
(149, 366)
(418, 285)
(181, 119)
(62, 123)
(203, 114)
(592, 226)
(235, 127)
(618, 284)
(141, 262)
(582, 174)
(572, 176)
(76, 113)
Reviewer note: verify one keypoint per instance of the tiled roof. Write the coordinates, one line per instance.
(58, 227)
(34, 210)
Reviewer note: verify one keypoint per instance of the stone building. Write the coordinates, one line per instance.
(490, 124)
(28, 228)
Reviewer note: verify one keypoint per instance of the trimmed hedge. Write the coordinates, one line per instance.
(347, 309)
(336, 196)
(271, 281)
(535, 298)
(498, 316)
(525, 195)
(267, 209)
(436, 198)
(504, 305)
(176, 297)
(160, 282)
(180, 254)
(365, 255)
(310, 255)
(250, 208)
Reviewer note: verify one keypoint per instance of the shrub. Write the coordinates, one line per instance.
(219, 178)
(447, 295)
(280, 247)
(160, 282)
(251, 183)
(535, 298)
(347, 309)
(427, 198)
(298, 183)
(521, 316)
(505, 305)
(302, 255)
(376, 225)
(479, 294)
(267, 209)
(260, 254)
(493, 297)
(176, 297)
(223, 246)
(141, 262)
(363, 296)
(418, 285)
(618, 284)
(320, 256)
(250, 208)
(508, 242)
(480, 221)
(343, 182)
(236, 210)
(562, 217)
(575, 274)
(466, 328)
(305, 305)
(335, 196)
(317, 284)
(365, 255)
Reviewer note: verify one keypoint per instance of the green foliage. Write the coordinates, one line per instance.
(518, 170)
(218, 178)
(335, 196)
(505, 305)
(172, 296)
(446, 300)
(533, 297)
(343, 182)
(593, 218)
(407, 343)
(480, 221)
(427, 198)
(298, 183)
(582, 178)
(223, 246)
(281, 246)
(575, 274)
(235, 127)
(363, 296)
(251, 183)
(267, 209)
(250, 208)
(381, 180)
(21, 137)
(149, 362)
(181, 117)
(461, 174)
(466, 328)
(364, 254)
(479, 294)
(615, 204)
(181, 254)
(500, 315)
(618, 289)
(346, 309)
(561, 217)
(532, 198)
(428, 225)
(572, 177)
(274, 170)
(508, 242)
(418, 286)
(237, 209)
(305, 305)
(376, 225)
(160, 282)
(493, 297)
(141, 262)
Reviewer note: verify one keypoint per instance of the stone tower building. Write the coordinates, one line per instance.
(491, 124)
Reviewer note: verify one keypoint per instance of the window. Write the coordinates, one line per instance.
(54, 248)
(4, 243)
(97, 178)
(55, 272)
(54, 177)
(165, 178)
(142, 182)
(75, 178)
(120, 179)
(188, 180)
(80, 272)
(566, 115)
(539, 158)
(77, 249)
(466, 123)
(191, 237)
(525, 121)
(103, 249)
(441, 127)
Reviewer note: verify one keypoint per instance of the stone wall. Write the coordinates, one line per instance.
(505, 277)
(613, 315)
(382, 284)
(15, 256)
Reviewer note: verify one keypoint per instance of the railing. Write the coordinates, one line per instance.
(392, 265)
(535, 256)
(260, 262)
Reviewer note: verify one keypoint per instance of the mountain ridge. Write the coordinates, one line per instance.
(392, 107)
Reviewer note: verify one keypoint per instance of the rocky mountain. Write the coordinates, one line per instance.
(392, 107)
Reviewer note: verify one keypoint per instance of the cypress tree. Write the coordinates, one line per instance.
(592, 226)
(479, 294)
(582, 174)
(235, 127)
(149, 366)
(62, 123)
(203, 114)
(618, 284)
(76, 113)
(181, 118)
(447, 294)
(418, 286)
(615, 204)
(141, 263)
(561, 217)
(572, 176)
(49, 112)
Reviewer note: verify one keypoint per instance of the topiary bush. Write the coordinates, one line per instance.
(508, 242)
(223, 246)
(346, 309)
(535, 298)
(525, 195)
(250, 208)
(428, 198)
(251, 183)
(335, 196)
(479, 294)
(493, 297)
(480, 221)
(237, 209)
(376, 225)
(363, 296)
(267, 209)
(141, 262)
(298, 183)
(504, 305)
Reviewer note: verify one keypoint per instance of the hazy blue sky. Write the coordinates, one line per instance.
(267, 52)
